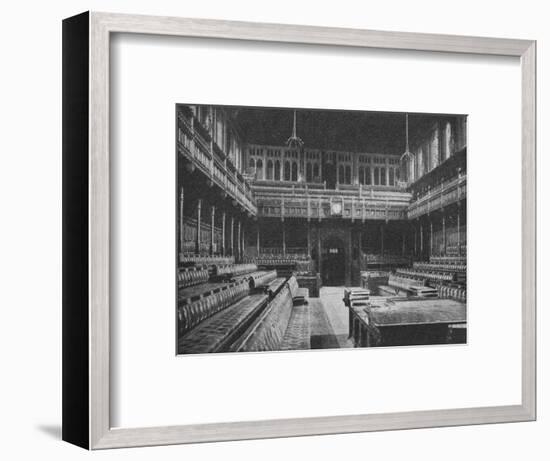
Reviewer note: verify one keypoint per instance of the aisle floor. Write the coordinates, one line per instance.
(329, 320)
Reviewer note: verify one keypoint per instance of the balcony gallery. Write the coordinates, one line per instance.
(299, 204)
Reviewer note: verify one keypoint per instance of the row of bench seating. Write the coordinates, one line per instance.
(192, 276)
(275, 286)
(232, 270)
(198, 260)
(258, 320)
(442, 267)
(190, 315)
(261, 278)
(268, 331)
(430, 276)
(452, 292)
(218, 332)
(460, 260)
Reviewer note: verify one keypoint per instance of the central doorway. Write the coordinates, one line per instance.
(333, 262)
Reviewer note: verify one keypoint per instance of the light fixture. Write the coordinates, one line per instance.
(404, 160)
(294, 141)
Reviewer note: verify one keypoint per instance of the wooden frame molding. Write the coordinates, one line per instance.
(86, 229)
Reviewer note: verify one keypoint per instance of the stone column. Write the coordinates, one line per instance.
(198, 239)
(372, 175)
(415, 247)
(387, 174)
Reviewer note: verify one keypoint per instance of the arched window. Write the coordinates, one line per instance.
(259, 169)
(368, 181)
(309, 172)
(269, 173)
(383, 176)
(287, 171)
(277, 170)
(316, 172)
(294, 171)
(376, 176)
(341, 176)
(348, 174)
(251, 163)
(361, 175)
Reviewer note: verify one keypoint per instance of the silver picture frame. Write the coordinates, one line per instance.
(86, 229)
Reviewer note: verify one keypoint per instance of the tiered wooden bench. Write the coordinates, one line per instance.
(281, 326)
(218, 332)
(298, 332)
(401, 285)
(261, 278)
(192, 276)
(275, 286)
(199, 260)
(194, 293)
(225, 272)
(193, 310)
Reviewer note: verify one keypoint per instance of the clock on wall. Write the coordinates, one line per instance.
(336, 208)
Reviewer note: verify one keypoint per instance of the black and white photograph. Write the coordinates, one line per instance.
(303, 229)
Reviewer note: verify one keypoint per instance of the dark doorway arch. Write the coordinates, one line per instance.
(334, 262)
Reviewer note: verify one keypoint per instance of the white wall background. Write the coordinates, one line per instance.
(30, 231)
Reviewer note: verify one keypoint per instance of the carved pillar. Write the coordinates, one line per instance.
(198, 239)
(308, 240)
(258, 239)
(431, 237)
(444, 237)
(212, 229)
(239, 250)
(458, 230)
(232, 237)
(223, 234)
(181, 233)
(382, 239)
(243, 241)
(319, 256)
(421, 241)
(284, 238)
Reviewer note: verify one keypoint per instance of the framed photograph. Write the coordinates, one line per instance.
(276, 230)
